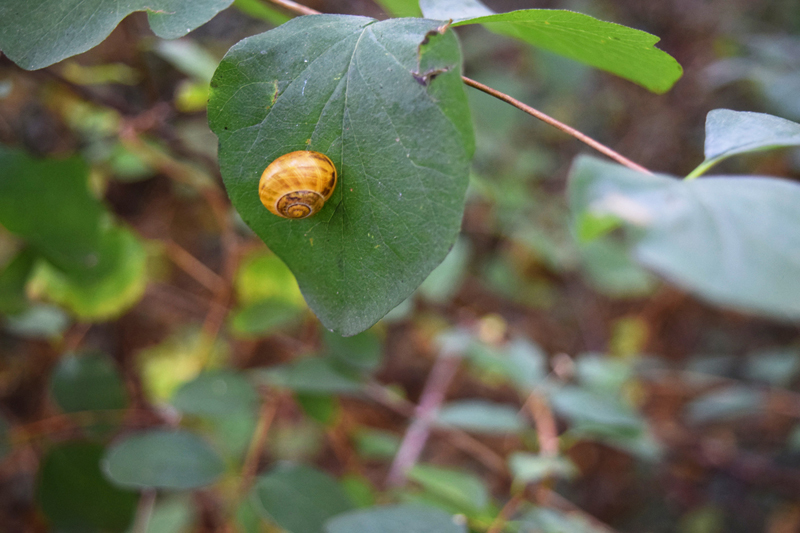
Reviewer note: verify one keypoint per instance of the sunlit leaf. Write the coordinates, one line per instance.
(396, 519)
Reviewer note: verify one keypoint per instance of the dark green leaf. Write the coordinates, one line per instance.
(396, 519)
(87, 383)
(74, 495)
(162, 459)
(12, 283)
(731, 240)
(623, 51)
(47, 203)
(299, 498)
(38, 33)
(216, 394)
(323, 408)
(391, 114)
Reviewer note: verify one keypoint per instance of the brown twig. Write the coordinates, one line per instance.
(556, 124)
(439, 378)
(508, 510)
(295, 7)
(269, 407)
(545, 424)
(144, 511)
(193, 266)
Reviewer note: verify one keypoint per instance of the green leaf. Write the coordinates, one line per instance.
(263, 318)
(71, 485)
(391, 114)
(396, 519)
(530, 468)
(363, 352)
(39, 321)
(103, 296)
(174, 515)
(481, 417)
(12, 283)
(580, 405)
(259, 10)
(623, 51)
(731, 240)
(216, 394)
(400, 8)
(38, 33)
(162, 459)
(87, 383)
(465, 491)
(313, 375)
(725, 404)
(300, 498)
(47, 203)
(739, 132)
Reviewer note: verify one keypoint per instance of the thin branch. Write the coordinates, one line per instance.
(295, 7)
(505, 514)
(194, 267)
(556, 124)
(268, 409)
(442, 373)
(545, 424)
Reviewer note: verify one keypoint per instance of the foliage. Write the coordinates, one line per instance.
(480, 361)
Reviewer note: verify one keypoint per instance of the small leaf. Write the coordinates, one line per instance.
(776, 367)
(362, 352)
(39, 321)
(263, 318)
(466, 491)
(12, 283)
(481, 417)
(626, 52)
(376, 444)
(38, 33)
(725, 404)
(101, 297)
(530, 468)
(315, 375)
(216, 394)
(580, 405)
(375, 97)
(731, 240)
(87, 383)
(300, 498)
(71, 485)
(396, 519)
(739, 132)
(162, 459)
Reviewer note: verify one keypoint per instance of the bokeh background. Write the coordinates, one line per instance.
(712, 439)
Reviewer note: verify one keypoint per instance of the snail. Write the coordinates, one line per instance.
(297, 184)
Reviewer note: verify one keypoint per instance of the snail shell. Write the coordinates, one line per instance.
(297, 184)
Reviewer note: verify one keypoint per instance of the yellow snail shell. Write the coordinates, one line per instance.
(297, 184)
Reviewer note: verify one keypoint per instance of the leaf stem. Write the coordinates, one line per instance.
(619, 158)
(701, 169)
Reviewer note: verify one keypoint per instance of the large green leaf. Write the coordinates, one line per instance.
(300, 498)
(732, 240)
(739, 132)
(626, 52)
(37, 33)
(396, 519)
(392, 115)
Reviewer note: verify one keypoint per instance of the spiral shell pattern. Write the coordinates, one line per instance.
(297, 184)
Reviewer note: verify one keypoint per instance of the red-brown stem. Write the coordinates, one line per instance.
(603, 149)
(442, 373)
(545, 425)
(268, 409)
(295, 7)
(505, 514)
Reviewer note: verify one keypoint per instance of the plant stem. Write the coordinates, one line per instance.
(701, 169)
(295, 7)
(619, 158)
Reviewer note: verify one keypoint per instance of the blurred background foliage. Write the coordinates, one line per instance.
(161, 308)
